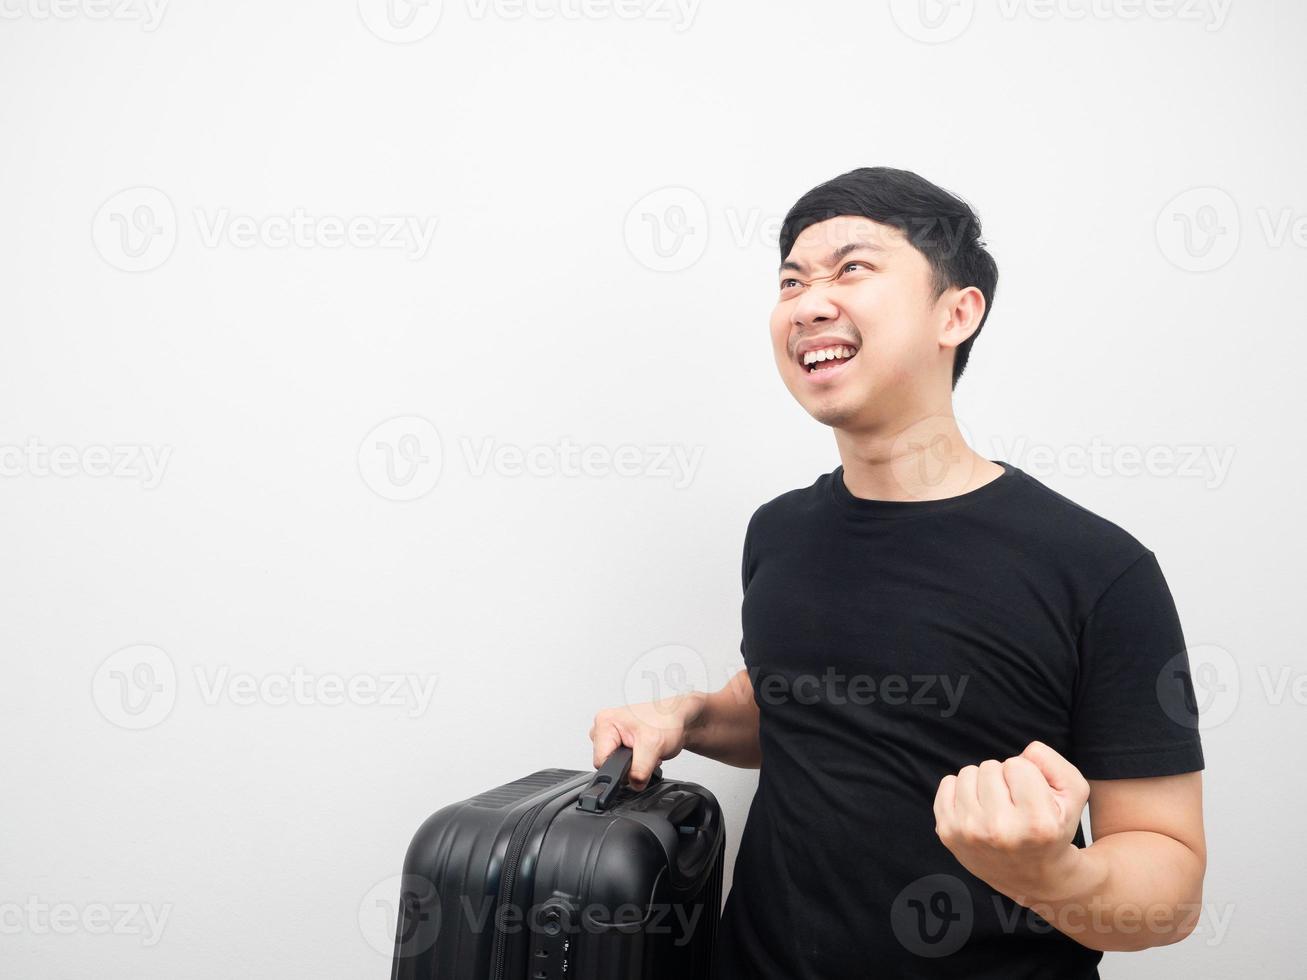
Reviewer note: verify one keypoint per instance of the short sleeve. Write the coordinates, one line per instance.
(746, 570)
(1133, 711)
(746, 559)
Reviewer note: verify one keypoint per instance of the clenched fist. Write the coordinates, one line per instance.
(1011, 823)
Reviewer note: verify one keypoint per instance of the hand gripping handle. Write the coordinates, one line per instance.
(616, 770)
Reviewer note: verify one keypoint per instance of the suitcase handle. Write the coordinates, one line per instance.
(615, 771)
(697, 829)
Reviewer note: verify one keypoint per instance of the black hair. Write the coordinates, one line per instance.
(941, 226)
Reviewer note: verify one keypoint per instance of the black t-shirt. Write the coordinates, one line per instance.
(891, 643)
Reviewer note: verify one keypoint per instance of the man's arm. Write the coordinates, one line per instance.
(1139, 884)
(726, 727)
(1144, 870)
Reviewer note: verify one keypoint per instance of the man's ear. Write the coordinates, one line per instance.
(964, 309)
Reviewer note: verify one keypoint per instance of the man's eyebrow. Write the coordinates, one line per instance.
(834, 256)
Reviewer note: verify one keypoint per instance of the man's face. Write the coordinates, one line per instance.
(852, 348)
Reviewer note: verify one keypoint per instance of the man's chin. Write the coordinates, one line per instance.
(833, 413)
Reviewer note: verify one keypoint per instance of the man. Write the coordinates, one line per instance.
(944, 658)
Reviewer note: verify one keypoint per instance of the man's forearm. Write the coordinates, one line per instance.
(724, 724)
(1125, 892)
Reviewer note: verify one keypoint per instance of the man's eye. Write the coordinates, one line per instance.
(785, 283)
(850, 265)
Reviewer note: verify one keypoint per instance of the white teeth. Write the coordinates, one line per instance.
(827, 354)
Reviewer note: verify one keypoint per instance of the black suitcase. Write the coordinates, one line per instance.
(565, 874)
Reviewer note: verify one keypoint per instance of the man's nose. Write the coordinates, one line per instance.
(814, 307)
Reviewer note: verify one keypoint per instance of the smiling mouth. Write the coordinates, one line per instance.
(826, 358)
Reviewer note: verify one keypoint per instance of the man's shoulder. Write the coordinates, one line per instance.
(1067, 531)
(792, 504)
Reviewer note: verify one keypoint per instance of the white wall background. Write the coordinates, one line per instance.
(151, 156)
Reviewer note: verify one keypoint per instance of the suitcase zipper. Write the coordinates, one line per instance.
(507, 881)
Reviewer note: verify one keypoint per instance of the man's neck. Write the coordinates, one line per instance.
(926, 460)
